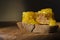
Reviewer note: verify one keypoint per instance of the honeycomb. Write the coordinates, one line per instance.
(44, 16)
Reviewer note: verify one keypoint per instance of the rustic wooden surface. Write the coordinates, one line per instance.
(8, 33)
(32, 36)
(13, 33)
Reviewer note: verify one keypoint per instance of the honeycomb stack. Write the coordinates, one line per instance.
(32, 20)
(44, 16)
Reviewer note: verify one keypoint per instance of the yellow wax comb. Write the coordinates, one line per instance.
(28, 17)
(52, 22)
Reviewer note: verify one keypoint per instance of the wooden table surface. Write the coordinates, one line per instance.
(13, 33)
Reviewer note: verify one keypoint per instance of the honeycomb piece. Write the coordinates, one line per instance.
(28, 17)
(44, 16)
(52, 22)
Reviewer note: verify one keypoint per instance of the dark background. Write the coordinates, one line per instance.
(11, 10)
